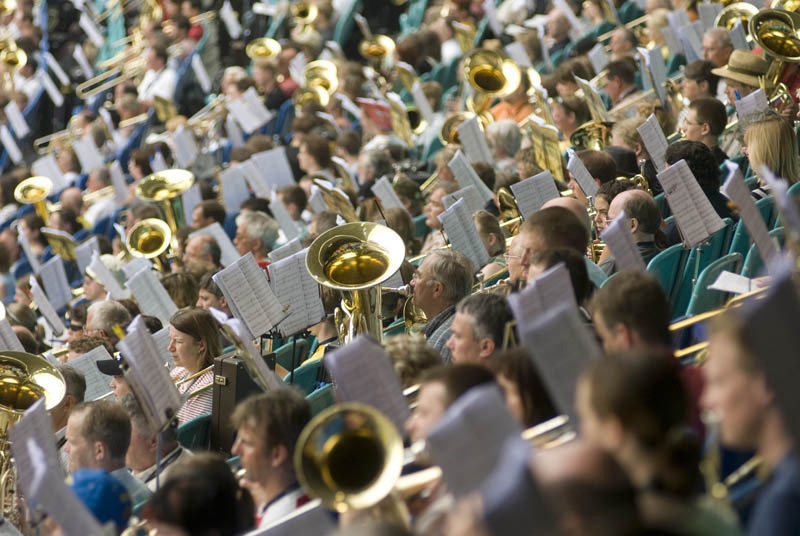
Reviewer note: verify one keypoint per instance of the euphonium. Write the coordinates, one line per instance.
(376, 48)
(356, 258)
(739, 11)
(149, 239)
(262, 48)
(167, 188)
(776, 32)
(34, 191)
(592, 135)
(492, 75)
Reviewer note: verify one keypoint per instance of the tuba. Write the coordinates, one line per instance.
(776, 32)
(356, 258)
(149, 239)
(34, 191)
(491, 75)
(166, 188)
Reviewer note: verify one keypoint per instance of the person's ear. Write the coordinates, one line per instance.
(486, 347)
(705, 129)
(634, 223)
(278, 456)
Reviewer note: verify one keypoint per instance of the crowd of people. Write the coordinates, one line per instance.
(655, 443)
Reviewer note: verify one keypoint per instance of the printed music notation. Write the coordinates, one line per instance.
(619, 239)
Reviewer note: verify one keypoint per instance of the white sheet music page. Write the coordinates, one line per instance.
(274, 165)
(161, 340)
(654, 141)
(186, 149)
(294, 287)
(291, 229)
(34, 427)
(94, 34)
(191, 198)
(316, 202)
(598, 57)
(687, 215)
(8, 338)
(422, 103)
(658, 70)
(118, 182)
(755, 102)
(534, 192)
(228, 17)
(200, 73)
(674, 45)
(256, 108)
(229, 253)
(33, 260)
(708, 13)
(152, 297)
(790, 216)
(88, 153)
(737, 191)
(148, 377)
(582, 176)
(241, 113)
(468, 194)
(546, 291)
(290, 248)
(47, 166)
(50, 88)
(311, 518)
(463, 235)
(80, 57)
(561, 345)
(234, 188)
(739, 36)
(52, 62)
(97, 383)
(386, 195)
(136, 265)
(158, 163)
(474, 141)
(7, 139)
(466, 443)
(235, 134)
(466, 176)
(730, 282)
(45, 307)
(17, 120)
(255, 179)
(56, 285)
(598, 109)
(104, 276)
(617, 235)
(362, 372)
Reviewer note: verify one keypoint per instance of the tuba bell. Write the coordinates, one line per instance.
(739, 11)
(166, 188)
(356, 258)
(34, 191)
(592, 135)
(149, 239)
(492, 75)
(776, 32)
(262, 48)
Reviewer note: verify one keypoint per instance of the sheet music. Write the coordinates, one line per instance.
(104, 276)
(311, 518)
(598, 57)
(229, 253)
(708, 13)
(249, 295)
(118, 182)
(97, 383)
(785, 203)
(347, 103)
(88, 154)
(739, 36)
(466, 176)
(362, 372)
(241, 113)
(135, 265)
(286, 250)
(10, 144)
(490, 11)
(191, 198)
(422, 103)
(8, 338)
(16, 119)
(658, 70)
(596, 105)
(56, 68)
(148, 378)
(316, 202)
(546, 291)
(534, 192)
(466, 443)
(234, 188)
(152, 297)
(161, 340)
(575, 23)
(35, 426)
(654, 141)
(50, 88)
(582, 176)
(201, 74)
(673, 44)
(228, 17)
(46, 308)
(737, 191)
(691, 35)
(291, 229)
(385, 193)
(474, 141)
(255, 179)
(619, 239)
(235, 134)
(80, 58)
(468, 194)
(56, 285)
(274, 166)
(463, 235)
(256, 108)
(158, 163)
(186, 149)
(296, 289)
(753, 103)
(562, 346)
(730, 282)
(33, 260)
(94, 34)
(47, 166)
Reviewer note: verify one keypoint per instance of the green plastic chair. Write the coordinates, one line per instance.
(398, 327)
(705, 299)
(321, 399)
(666, 266)
(346, 22)
(663, 206)
(306, 376)
(753, 264)
(195, 434)
(283, 355)
(421, 228)
(740, 243)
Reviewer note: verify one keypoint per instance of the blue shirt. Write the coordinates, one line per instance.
(777, 508)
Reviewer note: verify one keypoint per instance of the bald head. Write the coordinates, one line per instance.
(640, 207)
(574, 206)
(72, 198)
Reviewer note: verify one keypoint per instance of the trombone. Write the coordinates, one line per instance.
(111, 78)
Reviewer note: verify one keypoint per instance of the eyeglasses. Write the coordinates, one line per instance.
(75, 327)
(507, 256)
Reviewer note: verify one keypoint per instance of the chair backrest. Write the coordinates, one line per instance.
(766, 207)
(292, 354)
(667, 266)
(195, 434)
(321, 398)
(705, 299)
(306, 376)
(753, 263)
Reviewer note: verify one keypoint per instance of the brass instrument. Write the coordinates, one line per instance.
(449, 132)
(262, 48)
(203, 18)
(739, 11)
(376, 49)
(776, 32)
(356, 258)
(208, 114)
(34, 191)
(592, 135)
(492, 75)
(322, 74)
(304, 13)
(416, 122)
(304, 95)
(464, 35)
(631, 25)
(509, 210)
(167, 188)
(336, 200)
(128, 69)
(133, 121)
(149, 239)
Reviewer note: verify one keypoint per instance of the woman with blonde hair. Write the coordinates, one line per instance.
(495, 241)
(769, 140)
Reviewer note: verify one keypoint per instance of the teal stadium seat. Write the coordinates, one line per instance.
(194, 434)
(306, 376)
(705, 299)
(666, 267)
(753, 264)
(321, 399)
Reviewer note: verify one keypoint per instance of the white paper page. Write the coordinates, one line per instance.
(673, 44)
(311, 518)
(274, 166)
(88, 154)
(468, 194)
(289, 227)
(255, 179)
(152, 297)
(47, 166)
(97, 383)
(22, 240)
(229, 253)
(739, 36)
(534, 192)
(362, 372)
(598, 57)
(582, 176)
(350, 107)
(161, 341)
(737, 191)
(516, 51)
(543, 293)
(619, 239)
(56, 285)
(149, 379)
(294, 287)
(228, 17)
(474, 141)
(708, 13)
(256, 108)
(249, 295)
(692, 42)
(466, 443)
(8, 338)
(104, 276)
(658, 70)
(34, 427)
(288, 249)
(592, 96)
(80, 57)
(563, 346)
(50, 88)
(16, 119)
(118, 182)
(789, 213)
(490, 12)
(422, 103)
(386, 195)
(56, 68)
(46, 308)
(234, 188)
(136, 265)
(7, 139)
(613, 8)
(241, 113)
(730, 282)
(654, 141)
(235, 134)
(683, 191)
(201, 74)
(191, 198)
(577, 26)
(463, 235)
(753, 103)
(92, 31)
(84, 251)
(316, 202)
(186, 149)
(466, 176)
(158, 163)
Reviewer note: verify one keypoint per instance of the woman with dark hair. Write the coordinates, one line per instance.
(31, 226)
(494, 240)
(526, 396)
(635, 406)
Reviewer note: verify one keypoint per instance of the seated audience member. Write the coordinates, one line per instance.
(441, 281)
(526, 396)
(478, 328)
(704, 122)
(101, 317)
(411, 356)
(644, 220)
(268, 426)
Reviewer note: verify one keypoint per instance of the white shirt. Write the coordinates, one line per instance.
(158, 84)
(100, 209)
(281, 508)
(30, 86)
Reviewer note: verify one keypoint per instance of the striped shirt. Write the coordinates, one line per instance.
(200, 400)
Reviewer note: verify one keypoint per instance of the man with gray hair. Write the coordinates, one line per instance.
(478, 328)
(101, 317)
(441, 281)
(504, 138)
(257, 233)
(372, 165)
(717, 48)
